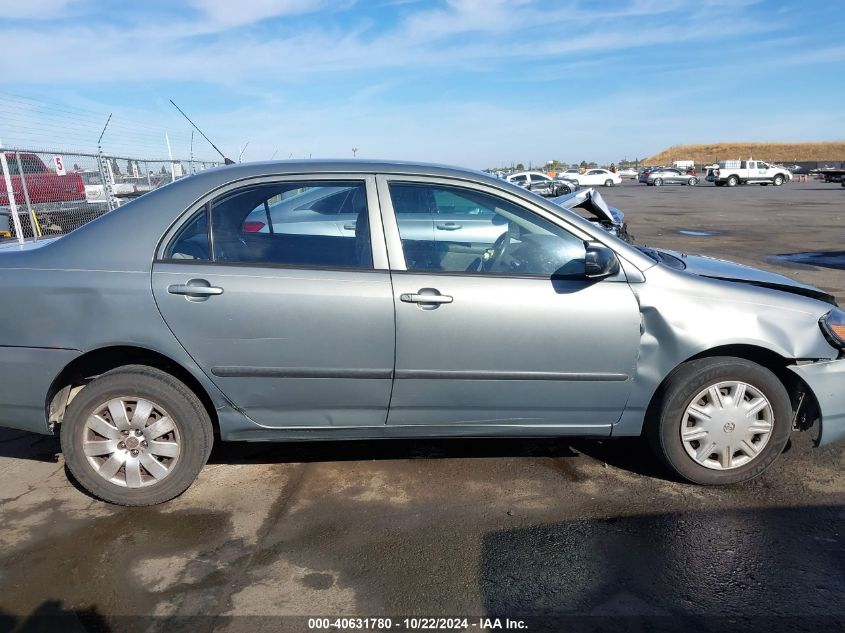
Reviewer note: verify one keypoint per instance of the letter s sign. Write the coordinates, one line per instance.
(60, 165)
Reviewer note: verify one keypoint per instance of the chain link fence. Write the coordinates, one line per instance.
(52, 192)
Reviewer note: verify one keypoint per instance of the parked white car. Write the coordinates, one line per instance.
(596, 177)
(628, 172)
(570, 173)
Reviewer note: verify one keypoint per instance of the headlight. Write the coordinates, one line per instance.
(833, 326)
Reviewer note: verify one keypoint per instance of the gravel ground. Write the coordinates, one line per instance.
(563, 535)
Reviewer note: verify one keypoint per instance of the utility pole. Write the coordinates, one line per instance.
(354, 152)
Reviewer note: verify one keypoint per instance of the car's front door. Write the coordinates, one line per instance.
(291, 319)
(507, 332)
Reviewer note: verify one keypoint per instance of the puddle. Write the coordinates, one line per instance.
(699, 232)
(825, 259)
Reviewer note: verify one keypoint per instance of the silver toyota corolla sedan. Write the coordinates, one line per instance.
(238, 305)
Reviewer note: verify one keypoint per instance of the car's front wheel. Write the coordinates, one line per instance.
(692, 182)
(136, 436)
(778, 180)
(721, 420)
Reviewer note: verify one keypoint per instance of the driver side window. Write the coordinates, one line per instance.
(447, 229)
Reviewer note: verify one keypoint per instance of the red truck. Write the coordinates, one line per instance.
(43, 185)
(58, 201)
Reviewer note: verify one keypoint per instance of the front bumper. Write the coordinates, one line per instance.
(826, 379)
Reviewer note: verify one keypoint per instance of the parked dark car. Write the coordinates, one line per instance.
(670, 176)
(644, 173)
(176, 321)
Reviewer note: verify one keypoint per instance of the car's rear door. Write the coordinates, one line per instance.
(507, 346)
(294, 324)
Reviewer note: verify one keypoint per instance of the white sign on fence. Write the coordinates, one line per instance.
(135, 172)
(59, 164)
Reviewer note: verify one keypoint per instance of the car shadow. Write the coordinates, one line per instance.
(31, 446)
(630, 454)
(727, 569)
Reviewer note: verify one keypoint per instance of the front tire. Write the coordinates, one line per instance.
(136, 436)
(721, 420)
(778, 181)
(692, 182)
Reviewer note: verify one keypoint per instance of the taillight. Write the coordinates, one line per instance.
(252, 226)
(716, 173)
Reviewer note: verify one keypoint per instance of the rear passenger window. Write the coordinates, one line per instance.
(191, 241)
(307, 224)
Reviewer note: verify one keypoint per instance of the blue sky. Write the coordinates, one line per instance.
(471, 82)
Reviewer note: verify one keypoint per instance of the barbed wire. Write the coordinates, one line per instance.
(25, 121)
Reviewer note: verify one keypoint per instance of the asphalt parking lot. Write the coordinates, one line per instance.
(568, 535)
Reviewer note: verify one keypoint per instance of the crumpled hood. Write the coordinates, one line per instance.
(591, 201)
(731, 271)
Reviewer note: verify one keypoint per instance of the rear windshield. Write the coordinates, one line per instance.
(31, 165)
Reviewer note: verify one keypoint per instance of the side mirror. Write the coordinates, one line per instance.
(600, 261)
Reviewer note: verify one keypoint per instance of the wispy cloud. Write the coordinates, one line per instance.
(435, 79)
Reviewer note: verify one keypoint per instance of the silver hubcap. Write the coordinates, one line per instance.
(131, 442)
(727, 425)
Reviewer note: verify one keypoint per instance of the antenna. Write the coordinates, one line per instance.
(227, 161)
(104, 129)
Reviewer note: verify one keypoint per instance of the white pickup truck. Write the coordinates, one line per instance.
(746, 172)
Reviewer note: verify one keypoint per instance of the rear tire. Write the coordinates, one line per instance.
(608, 183)
(658, 182)
(728, 425)
(733, 181)
(692, 182)
(136, 436)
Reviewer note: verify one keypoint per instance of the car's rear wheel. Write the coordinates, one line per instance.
(692, 182)
(136, 436)
(721, 420)
(608, 183)
(658, 182)
(733, 181)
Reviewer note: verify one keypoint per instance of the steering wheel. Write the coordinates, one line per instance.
(494, 254)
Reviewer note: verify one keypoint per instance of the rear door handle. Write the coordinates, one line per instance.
(195, 288)
(349, 226)
(428, 296)
(449, 226)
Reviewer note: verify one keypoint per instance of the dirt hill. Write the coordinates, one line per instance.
(774, 152)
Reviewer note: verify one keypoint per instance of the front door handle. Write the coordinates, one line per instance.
(426, 296)
(198, 288)
(449, 226)
(349, 226)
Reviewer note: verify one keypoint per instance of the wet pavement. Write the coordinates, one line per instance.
(564, 535)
